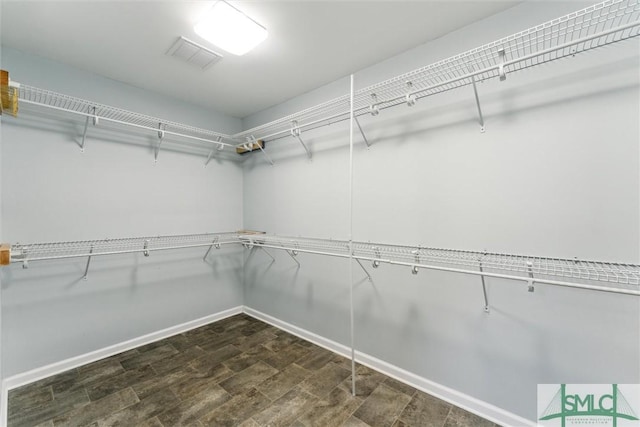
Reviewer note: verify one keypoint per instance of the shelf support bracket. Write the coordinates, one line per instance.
(376, 263)
(364, 269)
(84, 134)
(293, 254)
(252, 140)
(86, 269)
(214, 243)
(484, 290)
(267, 252)
(295, 131)
(374, 110)
(366, 141)
(414, 269)
(86, 127)
(475, 92)
(501, 72)
(410, 97)
(160, 137)
(213, 150)
(530, 286)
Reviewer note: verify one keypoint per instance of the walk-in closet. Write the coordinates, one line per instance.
(320, 213)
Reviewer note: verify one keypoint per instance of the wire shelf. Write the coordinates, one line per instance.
(611, 277)
(62, 250)
(616, 276)
(599, 25)
(47, 99)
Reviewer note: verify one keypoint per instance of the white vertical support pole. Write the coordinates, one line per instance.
(353, 351)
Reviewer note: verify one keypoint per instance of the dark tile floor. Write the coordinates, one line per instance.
(236, 372)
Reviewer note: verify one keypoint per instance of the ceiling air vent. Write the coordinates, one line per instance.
(193, 53)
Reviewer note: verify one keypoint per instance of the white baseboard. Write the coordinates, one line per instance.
(4, 395)
(471, 404)
(466, 402)
(64, 365)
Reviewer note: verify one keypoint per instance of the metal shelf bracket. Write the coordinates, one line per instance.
(374, 110)
(252, 140)
(295, 132)
(220, 147)
(475, 93)
(376, 263)
(530, 286)
(160, 137)
(410, 97)
(501, 72)
(86, 269)
(267, 252)
(484, 290)
(364, 269)
(414, 269)
(293, 254)
(92, 111)
(214, 243)
(366, 141)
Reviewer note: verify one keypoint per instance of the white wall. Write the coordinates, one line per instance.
(53, 192)
(555, 174)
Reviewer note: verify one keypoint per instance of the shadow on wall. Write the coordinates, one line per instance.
(57, 280)
(71, 130)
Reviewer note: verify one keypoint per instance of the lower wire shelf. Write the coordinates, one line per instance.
(594, 275)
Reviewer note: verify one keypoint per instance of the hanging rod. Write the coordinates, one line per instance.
(25, 253)
(612, 277)
(596, 26)
(100, 112)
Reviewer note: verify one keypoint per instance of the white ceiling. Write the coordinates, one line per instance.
(310, 43)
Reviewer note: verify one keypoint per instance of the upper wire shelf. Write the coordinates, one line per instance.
(97, 112)
(613, 277)
(87, 248)
(599, 25)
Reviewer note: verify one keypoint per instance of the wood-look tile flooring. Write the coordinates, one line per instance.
(235, 372)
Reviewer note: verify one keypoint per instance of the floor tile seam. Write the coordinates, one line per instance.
(97, 421)
(200, 420)
(444, 423)
(397, 417)
(37, 390)
(41, 407)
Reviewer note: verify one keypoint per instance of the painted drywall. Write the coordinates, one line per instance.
(53, 192)
(555, 174)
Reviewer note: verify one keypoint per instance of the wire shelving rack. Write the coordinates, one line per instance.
(596, 26)
(585, 274)
(602, 24)
(100, 112)
(25, 253)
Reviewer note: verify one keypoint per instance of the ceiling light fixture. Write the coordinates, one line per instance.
(229, 29)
